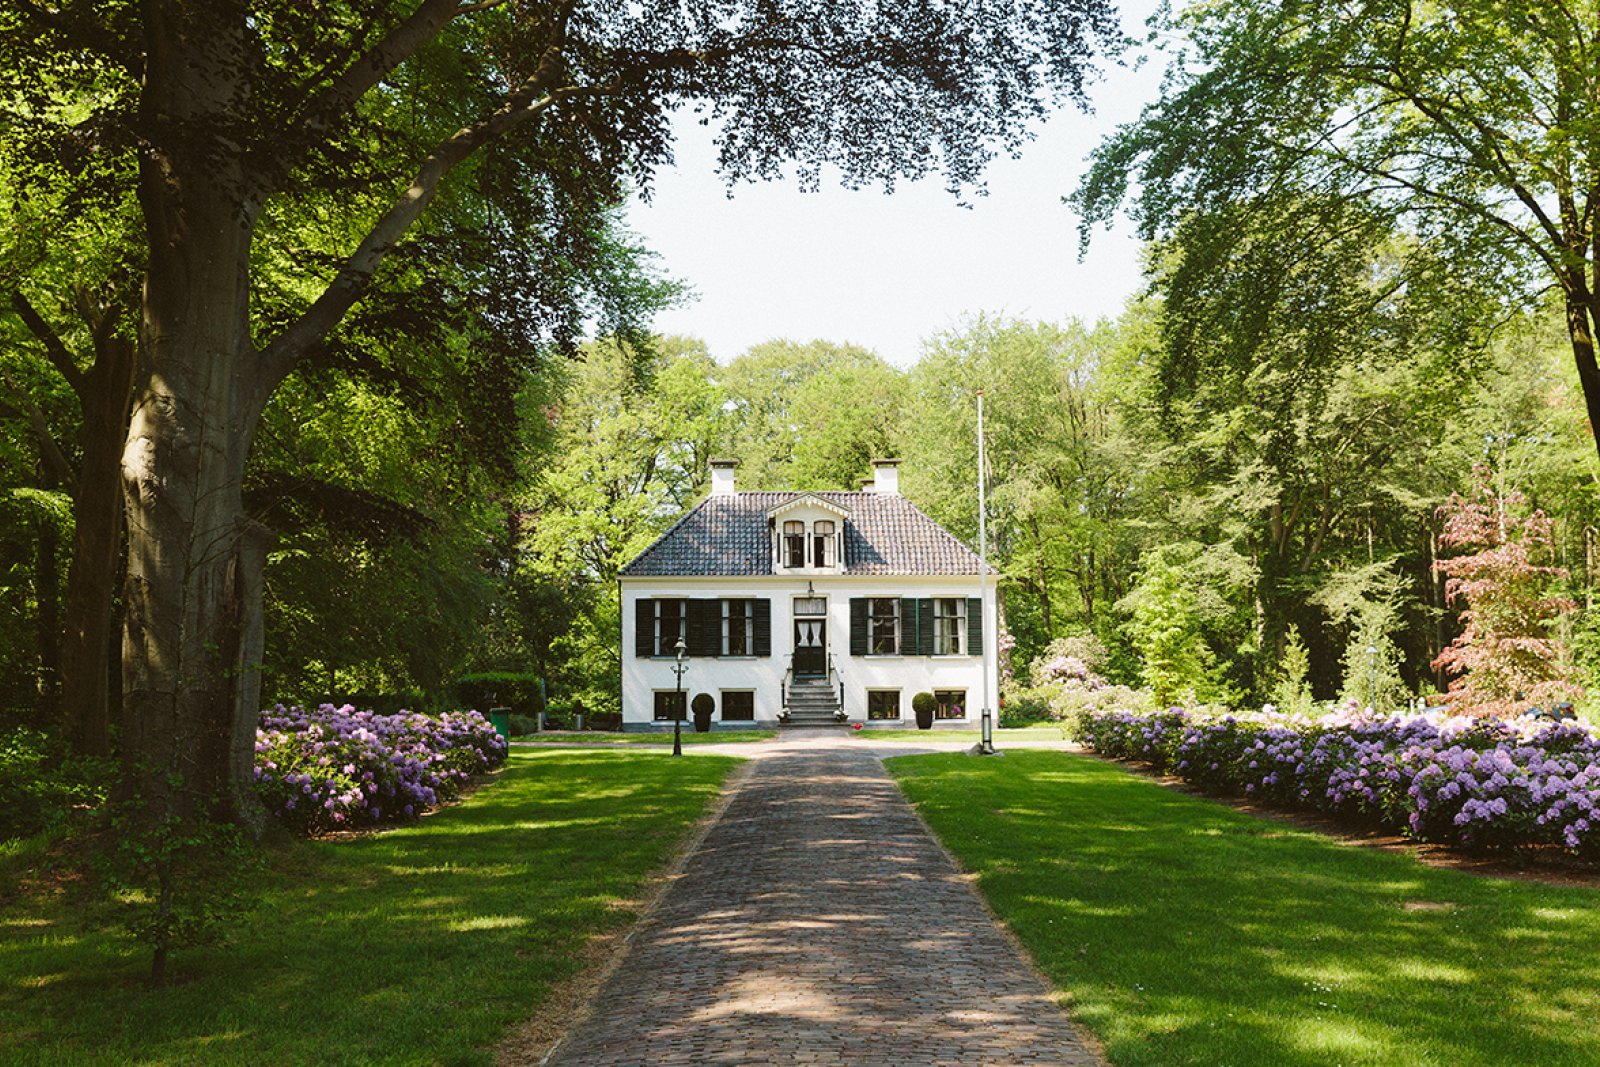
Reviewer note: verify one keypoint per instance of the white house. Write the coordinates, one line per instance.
(807, 608)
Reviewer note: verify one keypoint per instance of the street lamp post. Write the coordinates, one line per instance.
(677, 712)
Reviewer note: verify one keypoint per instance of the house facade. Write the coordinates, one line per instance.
(807, 608)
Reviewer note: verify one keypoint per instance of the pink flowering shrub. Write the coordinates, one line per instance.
(337, 768)
(1506, 656)
(1477, 783)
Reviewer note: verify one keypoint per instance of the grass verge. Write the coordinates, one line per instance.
(1050, 731)
(419, 945)
(1186, 932)
(716, 737)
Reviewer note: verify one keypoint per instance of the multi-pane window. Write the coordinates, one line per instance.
(883, 636)
(669, 705)
(670, 618)
(794, 544)
(883, 704)
(738, 627)
(822, 543)
(738, 705)
(952, 703)
(949, 623)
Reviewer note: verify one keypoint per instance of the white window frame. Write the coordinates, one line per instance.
(792, 530)
(663, 646)
(898, 713)
(746, 624)
(949, 628)
(874, 617)
(827, 542)
(722, 696)
(656, 701)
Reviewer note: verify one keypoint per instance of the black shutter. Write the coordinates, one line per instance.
(858, 625)
(705, 627)
(925, 625)
(763, 626)
(908, 627)
(644, 628)
(974, 626)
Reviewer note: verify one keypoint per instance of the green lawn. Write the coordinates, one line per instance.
(1044, 731)
(715, 737)
(418, 945)
(1188, 933)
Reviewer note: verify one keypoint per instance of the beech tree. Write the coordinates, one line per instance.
(235, 110)
(1472, 122)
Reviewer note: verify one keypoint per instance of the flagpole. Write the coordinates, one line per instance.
(986, 734)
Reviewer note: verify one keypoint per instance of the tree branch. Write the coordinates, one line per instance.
(48, 448)
(59, 356)
(356, 274)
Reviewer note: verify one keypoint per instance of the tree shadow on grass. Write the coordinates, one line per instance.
(421, 944)
(1188, 932)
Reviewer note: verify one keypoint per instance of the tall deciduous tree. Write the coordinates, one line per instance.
(1473, 121)
(236, 108)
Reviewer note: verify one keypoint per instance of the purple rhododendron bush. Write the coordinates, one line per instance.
(1476, 783)
(338, 768)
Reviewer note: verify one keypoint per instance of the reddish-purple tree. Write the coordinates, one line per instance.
(1506, 657)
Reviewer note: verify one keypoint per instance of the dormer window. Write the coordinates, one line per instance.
(822, 543)
(794, 544)
(807, 536)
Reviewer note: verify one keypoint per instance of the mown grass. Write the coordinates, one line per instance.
(1186, 932)
(715, 737)
(1044, 731)
(423, 944)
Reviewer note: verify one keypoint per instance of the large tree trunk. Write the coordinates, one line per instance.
(88, 617)
(1580, 319)
(197, 397)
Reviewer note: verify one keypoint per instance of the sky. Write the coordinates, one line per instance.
(887, 270)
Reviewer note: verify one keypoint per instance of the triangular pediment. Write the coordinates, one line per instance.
(808, 502)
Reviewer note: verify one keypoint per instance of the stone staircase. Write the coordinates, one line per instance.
(812, 702)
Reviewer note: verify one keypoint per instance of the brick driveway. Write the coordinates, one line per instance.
(818, 923)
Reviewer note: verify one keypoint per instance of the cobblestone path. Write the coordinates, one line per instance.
(818, 923)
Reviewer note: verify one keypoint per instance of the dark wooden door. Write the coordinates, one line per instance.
(810, 647)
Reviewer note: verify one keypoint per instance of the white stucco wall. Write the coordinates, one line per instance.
(911, 674)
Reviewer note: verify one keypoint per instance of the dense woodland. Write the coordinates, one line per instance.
(1292, 505)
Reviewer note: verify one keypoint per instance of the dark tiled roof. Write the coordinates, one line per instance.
(727, 535)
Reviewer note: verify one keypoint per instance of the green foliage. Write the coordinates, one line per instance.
(1292, 690)
(1371, 661)
(1023, 706)
(522, 693)
(1164, 626)
(183, 881)
(40, 786)
(703, 704)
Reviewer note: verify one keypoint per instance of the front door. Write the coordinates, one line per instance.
(810, 647)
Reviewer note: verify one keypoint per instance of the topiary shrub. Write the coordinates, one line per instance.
(703, 705)
(924, 705)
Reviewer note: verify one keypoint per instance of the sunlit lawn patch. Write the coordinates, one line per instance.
(1187, 932)
(1044, 731)
(418, 945)
(715, 737)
